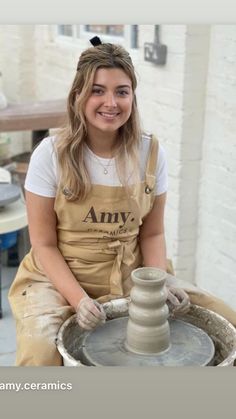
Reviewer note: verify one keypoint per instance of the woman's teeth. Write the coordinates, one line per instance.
(108, 115)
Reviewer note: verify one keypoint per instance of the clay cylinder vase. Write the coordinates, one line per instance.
(148, 329)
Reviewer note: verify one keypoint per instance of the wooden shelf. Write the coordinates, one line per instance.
(33, 116)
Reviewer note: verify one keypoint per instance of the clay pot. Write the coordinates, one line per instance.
(148, 329)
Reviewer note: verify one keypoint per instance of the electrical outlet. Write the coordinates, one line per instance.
(155, 53)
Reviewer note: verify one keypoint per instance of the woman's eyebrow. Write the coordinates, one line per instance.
(117, 87)
(124, 85)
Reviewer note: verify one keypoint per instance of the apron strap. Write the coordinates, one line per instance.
(150, 176)
(150, 179)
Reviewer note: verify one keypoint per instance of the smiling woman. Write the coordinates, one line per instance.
(95, 196)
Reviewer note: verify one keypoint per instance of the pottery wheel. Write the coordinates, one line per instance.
(105, 346)
(9, 193)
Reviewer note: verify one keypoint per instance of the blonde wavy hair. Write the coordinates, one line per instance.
(74, 177)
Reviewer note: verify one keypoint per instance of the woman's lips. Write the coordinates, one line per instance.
(108, 115)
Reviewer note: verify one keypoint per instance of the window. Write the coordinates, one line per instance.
(70, 31)
(134, 36)
(115, 30)
(126, 35)
(74, 31)
(65, 30)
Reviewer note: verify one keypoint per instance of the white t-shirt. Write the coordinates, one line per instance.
(43, 174)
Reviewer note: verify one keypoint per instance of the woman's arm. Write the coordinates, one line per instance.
(43, 236)
(152, 235)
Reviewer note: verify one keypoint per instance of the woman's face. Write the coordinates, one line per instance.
(110, 103)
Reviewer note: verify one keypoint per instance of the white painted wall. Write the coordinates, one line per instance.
(216, 250)
(18, 69)
(189, 104)
(172, 105)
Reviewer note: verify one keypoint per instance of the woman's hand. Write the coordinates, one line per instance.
(177, 300)
(89, 313)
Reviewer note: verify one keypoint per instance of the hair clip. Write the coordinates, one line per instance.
(95, 41)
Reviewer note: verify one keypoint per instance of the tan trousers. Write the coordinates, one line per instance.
(38, 324)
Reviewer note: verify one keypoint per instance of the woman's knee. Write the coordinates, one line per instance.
(36, 351)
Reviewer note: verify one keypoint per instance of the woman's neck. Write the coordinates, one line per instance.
(103, 145)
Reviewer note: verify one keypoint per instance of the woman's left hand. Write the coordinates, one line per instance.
(177, 300)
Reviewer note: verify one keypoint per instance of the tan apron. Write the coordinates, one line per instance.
(98, 239)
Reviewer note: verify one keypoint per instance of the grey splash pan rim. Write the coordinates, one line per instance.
(9, 193)
(70, 361)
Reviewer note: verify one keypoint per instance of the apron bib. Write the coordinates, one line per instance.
(98, 239)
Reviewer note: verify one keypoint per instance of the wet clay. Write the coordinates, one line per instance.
(104, 346)
(148, 330)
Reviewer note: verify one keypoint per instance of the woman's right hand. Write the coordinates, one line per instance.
(89, 313)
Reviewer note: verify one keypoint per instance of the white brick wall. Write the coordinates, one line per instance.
(17, 66)
(189, 104)
(27, 63)
(172, 105)
(216, 252)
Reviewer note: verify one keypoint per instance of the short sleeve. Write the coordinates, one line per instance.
(42, 176)
(161, 173)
